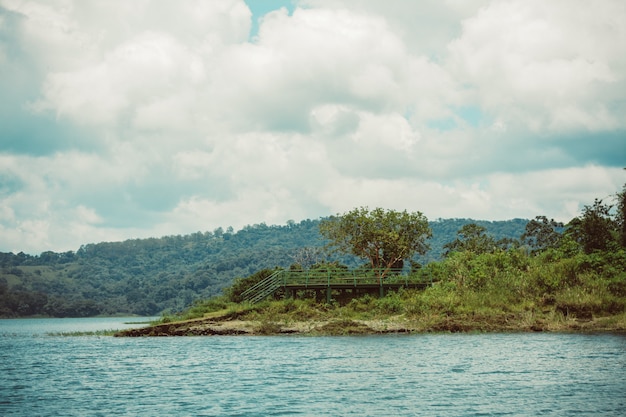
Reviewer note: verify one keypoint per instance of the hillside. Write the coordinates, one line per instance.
(148, 276)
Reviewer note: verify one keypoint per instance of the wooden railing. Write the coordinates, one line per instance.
(337, 277)
(329, 278)
(263, 288)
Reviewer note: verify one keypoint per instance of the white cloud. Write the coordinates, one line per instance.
(143, 72)
(130, 119)
(86, 215)
(192, 164)
(425, 26)
(546, 65)
(391, 130)
(312, 58)
(252, 205)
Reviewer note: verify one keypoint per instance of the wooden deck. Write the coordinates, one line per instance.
(347, 290)
(327, 284)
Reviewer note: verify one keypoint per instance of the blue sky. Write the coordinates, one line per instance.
(124, 120)
(260, 8)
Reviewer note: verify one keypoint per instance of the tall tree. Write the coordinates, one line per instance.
(595, 229)
(307, 256)
(384, 237)
(621, 215)
(541, 233)
(473, 238)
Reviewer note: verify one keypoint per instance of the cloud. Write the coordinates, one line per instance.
(132, 119)
(426, 26)
(133, 81)
(310, 58)
(547, 66)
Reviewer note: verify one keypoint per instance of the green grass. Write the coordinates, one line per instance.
(81, 334)
(446, 305)
(472, 292)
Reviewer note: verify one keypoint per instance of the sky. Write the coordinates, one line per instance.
(131, 119)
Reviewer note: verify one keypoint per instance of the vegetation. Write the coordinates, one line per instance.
(555, 277)
(474, 238)
(542, 234)
(500, 291)
(144, 276)
(150, 276)
(518, 274)
(84, 333)
(386, 238)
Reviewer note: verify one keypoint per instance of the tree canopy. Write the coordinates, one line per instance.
(473, 238)
(621, 215)
(542, 234)
(595, 229)
(384, 237)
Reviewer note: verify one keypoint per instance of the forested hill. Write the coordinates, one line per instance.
(147, 276)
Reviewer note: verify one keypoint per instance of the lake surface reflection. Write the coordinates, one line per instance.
(430, 375)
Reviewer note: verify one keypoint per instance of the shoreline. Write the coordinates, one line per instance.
(338, 326)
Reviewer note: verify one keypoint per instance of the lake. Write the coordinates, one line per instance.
(527, 374)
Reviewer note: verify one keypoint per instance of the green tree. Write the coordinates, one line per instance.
(621, 215)
(384, 237)
(541, 234)
(595, 229)
(471, 238)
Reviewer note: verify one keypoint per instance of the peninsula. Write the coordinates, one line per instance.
(306, 318)
(554, 278)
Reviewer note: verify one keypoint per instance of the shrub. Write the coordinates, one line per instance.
(390, 304)
(361, 304)
(240, 285)
(267, 327)
(440, 298)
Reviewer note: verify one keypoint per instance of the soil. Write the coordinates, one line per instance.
(227, 325)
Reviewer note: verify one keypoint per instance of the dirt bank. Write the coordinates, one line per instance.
(343, 326)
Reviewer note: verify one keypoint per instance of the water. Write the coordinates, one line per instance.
(430, 375)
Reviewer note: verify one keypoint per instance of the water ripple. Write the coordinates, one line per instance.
(444, 375)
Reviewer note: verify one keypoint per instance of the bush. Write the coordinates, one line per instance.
(617, 284)
(267, 327)
(441, 298)
(583, 304)
(240, 285)
(361, 304)
(202, 307)
(390, 304)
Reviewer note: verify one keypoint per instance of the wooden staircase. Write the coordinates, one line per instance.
(326, 280)
(263, 289)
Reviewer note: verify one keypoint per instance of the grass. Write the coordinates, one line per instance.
(87, 333)
(444, 309)
(507, 291)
